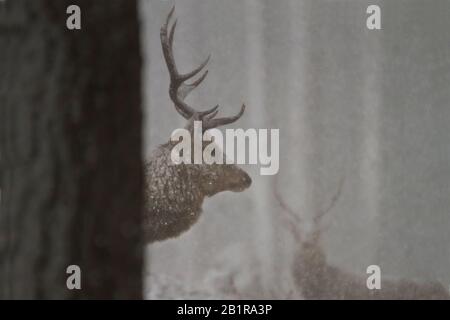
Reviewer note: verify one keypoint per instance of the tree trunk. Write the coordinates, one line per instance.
(71, 167)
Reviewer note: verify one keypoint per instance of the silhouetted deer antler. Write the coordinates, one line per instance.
(292, 218)
(179, 89)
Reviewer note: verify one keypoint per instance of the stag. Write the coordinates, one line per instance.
(175, 193)
(317, 279)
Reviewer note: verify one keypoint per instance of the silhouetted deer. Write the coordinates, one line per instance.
(175, 193)
(317, 279)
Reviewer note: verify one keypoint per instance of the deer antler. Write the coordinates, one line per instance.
(293, 219)
(179, 89)
(290, 217)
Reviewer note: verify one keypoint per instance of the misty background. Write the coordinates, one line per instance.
(368, 107)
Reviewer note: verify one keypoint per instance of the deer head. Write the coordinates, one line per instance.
(309, 241)
(216, 177)
(175, 193)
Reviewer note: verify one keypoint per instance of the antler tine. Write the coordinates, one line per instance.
(292, 219)
(175, 82)
(169, 16)
(191, 74)
(167, 47)
(172, 33)
(185, 89)
(212, 115)
(214, 123)
(207, 114)
(318, 217)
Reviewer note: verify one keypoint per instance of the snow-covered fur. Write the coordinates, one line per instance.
(174, 193)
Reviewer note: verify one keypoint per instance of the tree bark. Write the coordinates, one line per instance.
(71, 164)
